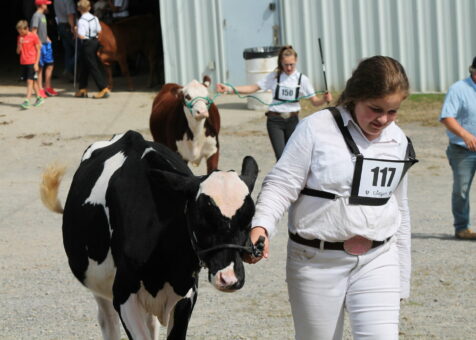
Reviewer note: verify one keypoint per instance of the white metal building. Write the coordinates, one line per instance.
(433, 39)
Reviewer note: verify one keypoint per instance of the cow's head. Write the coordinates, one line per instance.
(195, 98)
(218, 211)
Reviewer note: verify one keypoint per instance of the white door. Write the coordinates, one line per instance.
(247, 24)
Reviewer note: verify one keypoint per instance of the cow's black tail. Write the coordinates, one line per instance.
(50, 183)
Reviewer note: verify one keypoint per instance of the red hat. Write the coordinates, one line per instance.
(42, 2)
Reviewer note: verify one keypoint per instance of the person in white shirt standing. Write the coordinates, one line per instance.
(342, 174)
(288, 86)
(88, 31)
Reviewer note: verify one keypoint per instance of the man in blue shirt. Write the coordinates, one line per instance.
(459, 116)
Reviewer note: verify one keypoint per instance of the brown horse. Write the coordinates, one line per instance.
(127, 38)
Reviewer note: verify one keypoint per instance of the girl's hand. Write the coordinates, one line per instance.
(255, 233)
(328, 97)
(223, 88)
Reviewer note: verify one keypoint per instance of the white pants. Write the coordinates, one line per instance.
(322, 282)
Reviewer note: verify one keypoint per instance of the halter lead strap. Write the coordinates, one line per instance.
(255, 250)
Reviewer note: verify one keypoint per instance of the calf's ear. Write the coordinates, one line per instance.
(249, 172)
(206, 81)
(187, 185)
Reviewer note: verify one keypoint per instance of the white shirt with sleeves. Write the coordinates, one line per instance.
(88, 26)
(317, 157)
(270, 82)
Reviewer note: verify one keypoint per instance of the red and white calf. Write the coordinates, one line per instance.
(185, 119)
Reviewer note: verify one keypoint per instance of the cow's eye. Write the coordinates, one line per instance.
(188, 97)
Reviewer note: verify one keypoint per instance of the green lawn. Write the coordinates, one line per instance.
(421, 108)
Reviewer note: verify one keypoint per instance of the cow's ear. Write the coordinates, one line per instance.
(206, 81)
(249, 172)
(186, 185)
(133, 213)
(179, 93)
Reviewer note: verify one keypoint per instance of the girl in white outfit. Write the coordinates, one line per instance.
(288, 86)
(342, 176)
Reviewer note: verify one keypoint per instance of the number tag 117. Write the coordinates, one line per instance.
(379, 178)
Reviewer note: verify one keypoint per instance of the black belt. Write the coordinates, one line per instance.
(280, 114)
(316, 243)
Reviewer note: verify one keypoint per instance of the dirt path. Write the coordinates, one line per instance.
(40, 299)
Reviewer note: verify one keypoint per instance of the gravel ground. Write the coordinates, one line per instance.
(40, 299)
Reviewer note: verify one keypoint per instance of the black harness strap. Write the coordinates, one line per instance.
(354, 198)
(276, 92)
(89, 26)
(353, 148)
(318, 193)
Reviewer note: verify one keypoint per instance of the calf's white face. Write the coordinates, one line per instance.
(218, 213)
(226, 189)
(196, 104)
(225, 210)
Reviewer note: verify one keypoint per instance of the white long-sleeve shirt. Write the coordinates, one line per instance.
(317, 157)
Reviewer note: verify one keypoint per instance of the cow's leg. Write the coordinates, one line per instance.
(180, 316)
(152, 67)
(154, 327)
(108, 319)
(212, 162)
(134, 318)
(108, 69)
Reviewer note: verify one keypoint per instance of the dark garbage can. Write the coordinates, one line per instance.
(259, 61)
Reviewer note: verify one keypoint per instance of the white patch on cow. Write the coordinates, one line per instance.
(162, 304)
(133, 315)
(100, 277)
(98, 145)
(224, 278)
(198, 148)
(98, 192)
(226, 189)
(146, 151)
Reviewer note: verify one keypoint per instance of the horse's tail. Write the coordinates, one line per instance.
(50, 183)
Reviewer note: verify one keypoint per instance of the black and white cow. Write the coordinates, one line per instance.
(138, 226)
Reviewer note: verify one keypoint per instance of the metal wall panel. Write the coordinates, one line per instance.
(433, 39)
(192, 40)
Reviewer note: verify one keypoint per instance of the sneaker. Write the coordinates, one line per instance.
(38, 101)
(104, 93)
(50, 92)
(42, 94)
(82, 93)
(25, 104)
(465, 234)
